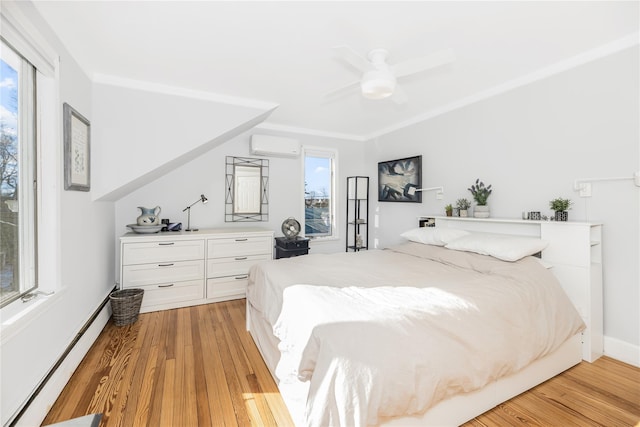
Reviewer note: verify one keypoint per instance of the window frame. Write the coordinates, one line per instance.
(332, 154)
(19, 32)
(27, 129)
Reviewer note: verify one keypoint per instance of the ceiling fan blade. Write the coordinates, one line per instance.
(399, 96)
(343, 90)
(416, 65)
(353, 58)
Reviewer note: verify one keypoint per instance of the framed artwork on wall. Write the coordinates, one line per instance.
(396, 177)
(77, 150)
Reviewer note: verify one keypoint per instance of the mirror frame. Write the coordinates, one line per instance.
(230, 215)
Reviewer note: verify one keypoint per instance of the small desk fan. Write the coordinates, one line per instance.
(290, 228)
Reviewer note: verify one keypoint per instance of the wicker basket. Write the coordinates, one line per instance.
(125, 305)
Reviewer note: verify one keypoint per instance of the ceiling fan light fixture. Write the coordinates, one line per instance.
(378, 84)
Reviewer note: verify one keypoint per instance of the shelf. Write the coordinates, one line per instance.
(508, 220)
(357, 237)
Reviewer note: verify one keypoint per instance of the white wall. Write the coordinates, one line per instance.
(531, 144)
(206, 175)
(83, 249)
(146, 133)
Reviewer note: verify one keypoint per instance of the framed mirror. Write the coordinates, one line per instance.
(247, 189)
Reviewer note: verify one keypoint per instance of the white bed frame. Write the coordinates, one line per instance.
(457, 409)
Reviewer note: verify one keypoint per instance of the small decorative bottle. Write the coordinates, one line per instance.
(358, 241)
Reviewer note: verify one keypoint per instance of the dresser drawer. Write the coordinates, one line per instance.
(162, 251)
(172, 293)
(148, 274)
(220, 267)
(238, 246)
(224, 287)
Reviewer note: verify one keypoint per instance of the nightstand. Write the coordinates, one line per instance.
(287, 248)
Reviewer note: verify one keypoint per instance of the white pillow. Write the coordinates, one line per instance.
(501, 246)
(433, 235)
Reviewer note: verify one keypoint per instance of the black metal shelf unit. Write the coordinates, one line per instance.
(357, 213)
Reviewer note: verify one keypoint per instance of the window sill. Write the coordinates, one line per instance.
(18, 315)
(323, 239)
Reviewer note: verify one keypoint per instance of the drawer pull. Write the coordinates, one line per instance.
(165, 265)
(240, 258)
(166, 244)
(166, 286)
(241, 240)
(242, 277)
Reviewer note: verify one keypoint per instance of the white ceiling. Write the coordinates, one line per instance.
(280, 52)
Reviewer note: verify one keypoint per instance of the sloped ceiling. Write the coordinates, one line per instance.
(145, 134)
(280, 52)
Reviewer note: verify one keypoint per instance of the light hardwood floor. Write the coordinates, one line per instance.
(198, 366)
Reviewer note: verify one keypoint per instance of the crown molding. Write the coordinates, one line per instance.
(111, 80)
(312, 132)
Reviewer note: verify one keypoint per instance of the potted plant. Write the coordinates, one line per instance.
(560, 207)
(449, 210)
(480, 194)
(463, 206)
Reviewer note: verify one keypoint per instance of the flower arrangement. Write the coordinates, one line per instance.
(559, 204)
(480, 193)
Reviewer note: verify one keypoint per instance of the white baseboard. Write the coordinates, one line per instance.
(42, 403)
(622, 351)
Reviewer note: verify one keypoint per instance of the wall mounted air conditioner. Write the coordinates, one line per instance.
(274, 146)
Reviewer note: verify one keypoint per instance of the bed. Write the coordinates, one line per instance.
(426, 332)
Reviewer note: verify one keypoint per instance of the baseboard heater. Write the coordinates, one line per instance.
(56, 365)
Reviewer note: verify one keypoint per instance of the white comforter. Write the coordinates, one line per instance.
(386, 351)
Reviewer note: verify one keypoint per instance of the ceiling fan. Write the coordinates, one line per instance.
(379, 79)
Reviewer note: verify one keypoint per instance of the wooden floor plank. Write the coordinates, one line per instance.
(139, 407)
(110, 375)
(130, 385)
(200, 384)
(233, 382)
(222, 412)
(199, 366)
(159, 340)
(168, 397)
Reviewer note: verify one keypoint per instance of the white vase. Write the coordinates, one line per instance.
(463, 213)
(481, 211)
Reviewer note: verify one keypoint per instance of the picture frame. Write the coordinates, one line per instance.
(396, 177)
(77, 150)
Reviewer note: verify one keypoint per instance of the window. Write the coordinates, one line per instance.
(17, 176)
(319, 193)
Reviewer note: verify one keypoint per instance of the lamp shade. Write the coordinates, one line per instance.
(378, 84)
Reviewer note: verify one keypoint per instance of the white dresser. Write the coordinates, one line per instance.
(574, 254)
(179, 269)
